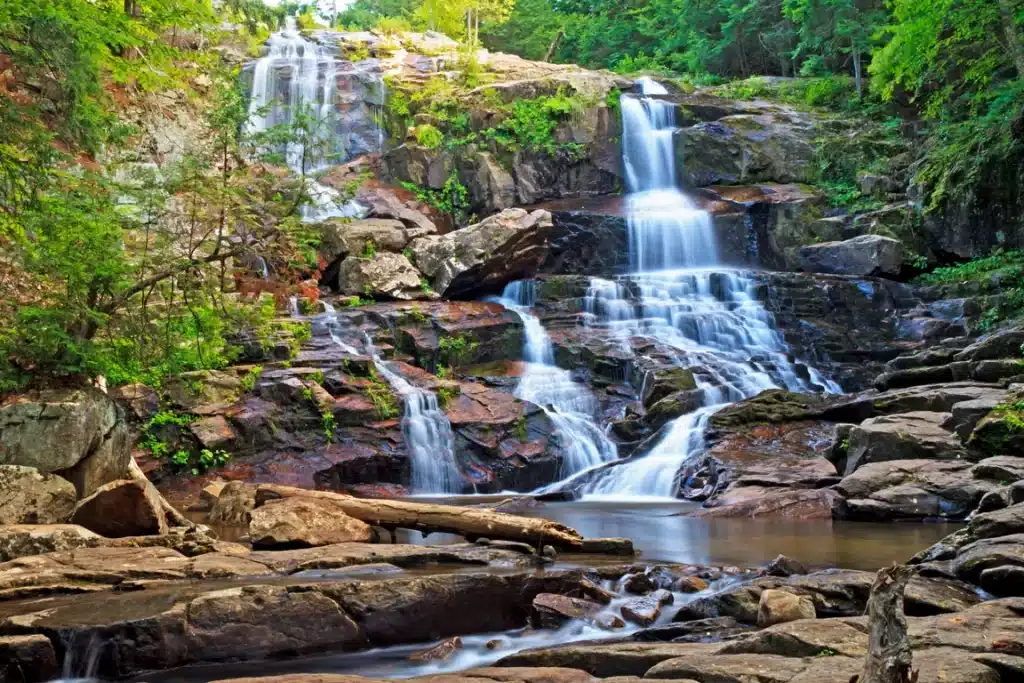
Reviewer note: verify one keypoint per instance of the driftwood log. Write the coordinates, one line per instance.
(472, 523)
(174, 518)
(889, 658)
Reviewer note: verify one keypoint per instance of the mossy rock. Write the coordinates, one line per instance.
(1001, 432)
(673, 406)
(774, 406)
(668, 381)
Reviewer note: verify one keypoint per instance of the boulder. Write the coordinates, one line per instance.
(1001, 344)
(142, 401)
(384, 276)
(214, 432)
(785, 566)
(27, 659)
(552, 610)
(1000, 432)
(299, 523)
(908, 436)
(341, 238)
(21, 540)
(203, 391)
(33, 498)
(776, 607)
(77, 432)
(122, 508)
(484, 257)
(642, 611)
(861, 256)
(912, 489)
(768, 502)
(234, 504)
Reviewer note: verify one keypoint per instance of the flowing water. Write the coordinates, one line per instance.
(296, 83)
(570, 406)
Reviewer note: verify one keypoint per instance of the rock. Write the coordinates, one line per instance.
(33, 498)
(595, 592)
(213, 433)
(21, 540)
(27, 659)
(642, 611)
(776, 607)
(211, 492)
(122, 508)
(911, 489)
(764, 502)
(908, 436)
(79, 433)
(339, 238)
(607, 660)
(861, 256)
(300, 523)
(784, 566)
(999, 523)
(386, 275)
(1001, 344)
(803, 638)
(771, 406)
(689, 584)
(554, 610)
(440, 652)
(484, 257)
(1000, 432)
(203, 390)
(142, 401)
(729, 668)
(234, 504)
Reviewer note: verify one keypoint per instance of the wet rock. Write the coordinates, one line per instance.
(776, 607)
(122, 508)
(608, 546)
(296, 522)
(998, 433)
(642, 611)
(554, 610)
(698, 630)
(804, 638)
(27, 659)
(860, 256)
(689, 584)
(761, 502)
(234, 504)
(908, 436)
(440, 652)
(664, 597)
(78, 433)
(730, 668)
(483, 257)
(771, 406)
(33, 498)
(385, 275)
(665, 382)
(20, 540)
(1001, 344)
(213, 433)
(785, 566)
(595, 592)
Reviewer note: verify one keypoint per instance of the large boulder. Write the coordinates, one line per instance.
(341, 238)
(27, 659)
(298, 523)
(234, 504)
(79, 433)
(20, 540)
(508, 246)
(385, 275)
(908, 436)
(777, 607)
(859, 256)
(122, 508)
(33, 498)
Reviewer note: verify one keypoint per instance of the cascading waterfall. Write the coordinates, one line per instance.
(678, 295)
(569, 406)
(299, 77)
(426, 429)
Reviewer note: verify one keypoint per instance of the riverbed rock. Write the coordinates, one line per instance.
(860, 256)
(79, 433)
(384, 276)
(999, 432)
(776, 607)
(642, 611)
(341, 238)
(607, 660)
(906, 436)
(766, 502)
(785, 566)
(297, 522)
(122, 508)
(33, 498)
(485, 256)
(552, 610)
(20, 540)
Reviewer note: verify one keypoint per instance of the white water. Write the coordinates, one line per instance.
(679, 296)
(570, 406)
(297, 75)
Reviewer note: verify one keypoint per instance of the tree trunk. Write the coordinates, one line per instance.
(889, 658)
(857, 74)
(472, 523)
(174, 518)
(554, 45)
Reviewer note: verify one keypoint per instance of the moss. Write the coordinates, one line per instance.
(521, 431)
(1001, 432)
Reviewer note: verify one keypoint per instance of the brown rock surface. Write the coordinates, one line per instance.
(122, 508)
(295, 522)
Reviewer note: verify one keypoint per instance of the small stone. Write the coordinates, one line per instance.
(595, 592)
(638, 584)
(643, 611)
(553, 610)
(784, 566)
(495, 643)
(664, 597)
(482, 541)
(210, 493)
(689, 584)
(608, 622)
(777, 606)
(440, 652)
(549, 552)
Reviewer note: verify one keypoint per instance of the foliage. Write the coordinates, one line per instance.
(251, 377)
(455, 351)
(428, 136)
(445, 394)
(369, 250)
(451, 199)
(1002, 275)
(383, 399)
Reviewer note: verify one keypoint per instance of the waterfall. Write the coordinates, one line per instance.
(569, 405)
(293, 307)
(680, 296)
(426, 429)
(296, 81)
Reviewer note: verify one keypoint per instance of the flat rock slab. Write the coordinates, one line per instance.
(604, 660)
(481, 675)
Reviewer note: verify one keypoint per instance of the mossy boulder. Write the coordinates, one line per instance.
(772, 406)
(667, 381)
(1001, 432)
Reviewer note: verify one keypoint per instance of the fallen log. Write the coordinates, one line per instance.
(889, 657)
(174, 518)
(472, 523)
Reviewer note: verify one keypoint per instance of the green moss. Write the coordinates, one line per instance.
(521, 430)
